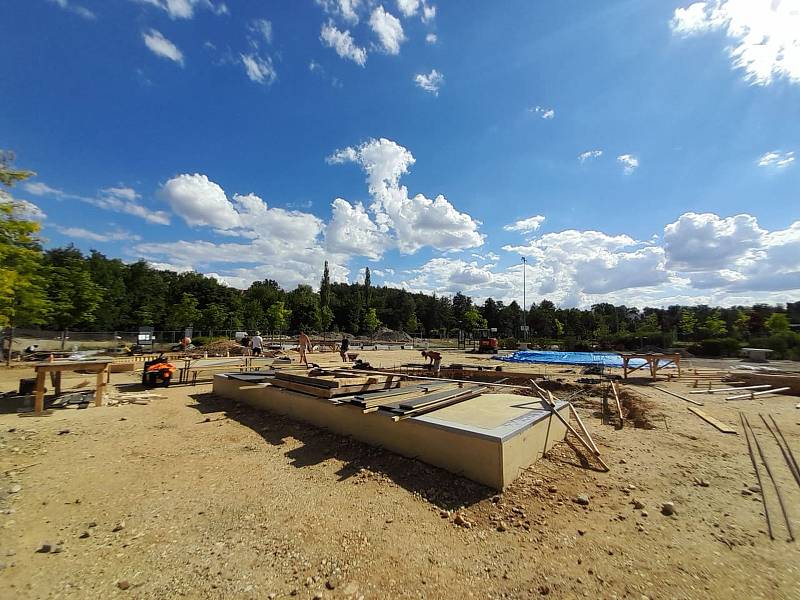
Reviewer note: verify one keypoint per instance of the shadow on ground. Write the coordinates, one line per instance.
(361, 461)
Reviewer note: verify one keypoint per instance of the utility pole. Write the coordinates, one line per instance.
(524, 302)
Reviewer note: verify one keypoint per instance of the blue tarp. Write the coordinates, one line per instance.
(553, 357)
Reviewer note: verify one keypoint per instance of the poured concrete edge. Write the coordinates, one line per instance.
(493, 457)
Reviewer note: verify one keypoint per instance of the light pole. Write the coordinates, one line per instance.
(524, 289)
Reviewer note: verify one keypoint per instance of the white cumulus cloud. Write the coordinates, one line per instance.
(629, 163)
(764, 34)
(408, 8)
(259, 69)
(184, 9)
(388, 29)
(543, 112)
(528, 225)
(589, 154)
(430, 82)
(161, 46)
(776, 159)
(413, 222)
(342, 42)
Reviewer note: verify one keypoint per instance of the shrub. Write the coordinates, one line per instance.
(716, 348)
(507, 343)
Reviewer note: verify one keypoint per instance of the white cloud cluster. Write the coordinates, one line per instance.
(543, 112)
(347, 9)
(117, 235)
(408, 8)
(409, 223)
(528, 225)
(388, 29)
(428, 12)
(430, 82)
(765, 34)
(431, 38)
(116, 199)
(776, 159)
(342, 42)
(259, 68)
(77, 9)
(184, 9)
(589, 154)
(263, 28)
(161, 46)
(704, 259)
(629, 163)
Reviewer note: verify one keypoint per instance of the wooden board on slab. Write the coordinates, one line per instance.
(325, 392)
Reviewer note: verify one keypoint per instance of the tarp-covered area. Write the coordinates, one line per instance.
(552, 357)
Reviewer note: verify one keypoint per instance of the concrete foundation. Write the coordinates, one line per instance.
(488, 439)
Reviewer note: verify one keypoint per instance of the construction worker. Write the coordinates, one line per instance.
(257, 343)
(435, 360)
(344, 347)
(303, 345)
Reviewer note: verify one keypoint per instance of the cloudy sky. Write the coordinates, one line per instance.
(635, 151)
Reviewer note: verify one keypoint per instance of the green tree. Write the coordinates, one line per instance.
(688, 323)
(473, 320)
(715, 325)
(278, 316)
(371, 322)
(184, 314)
(215, 316)
(742, 324)
(22, 284)
(325, 290)
(412, 324)
(304, 304)
(74, 296)
(777, 323)
(367, 289)
(325, 317)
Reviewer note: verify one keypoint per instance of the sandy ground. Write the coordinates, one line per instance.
(197, 497)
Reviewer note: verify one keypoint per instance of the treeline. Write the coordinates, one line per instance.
(96, 293)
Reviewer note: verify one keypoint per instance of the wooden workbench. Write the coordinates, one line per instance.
(653, 361)
(55, 368)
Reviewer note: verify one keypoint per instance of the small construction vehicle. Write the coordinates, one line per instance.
(487, 343)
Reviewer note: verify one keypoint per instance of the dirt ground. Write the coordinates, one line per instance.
(194, 496)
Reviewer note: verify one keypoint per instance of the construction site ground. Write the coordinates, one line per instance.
(194, 496)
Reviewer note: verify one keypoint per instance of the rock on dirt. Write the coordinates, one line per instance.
(668, 509)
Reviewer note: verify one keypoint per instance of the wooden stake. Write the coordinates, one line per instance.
(774, 483)
(582, 426)
(758, 478)
(787, 452)
(569, 427)
(752, 395)
(619, 406)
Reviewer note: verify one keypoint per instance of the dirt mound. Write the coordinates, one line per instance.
(390, 335)
(224, 347)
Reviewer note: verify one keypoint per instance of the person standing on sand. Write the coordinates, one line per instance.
(303, 345)
(257, 342)
(344, 347)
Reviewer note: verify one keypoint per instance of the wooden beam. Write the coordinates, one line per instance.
(712, 421)
(660, 389)
(754, 394)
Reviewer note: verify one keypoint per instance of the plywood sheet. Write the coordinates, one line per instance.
(488, 411)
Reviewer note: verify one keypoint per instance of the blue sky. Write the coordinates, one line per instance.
(634, 151)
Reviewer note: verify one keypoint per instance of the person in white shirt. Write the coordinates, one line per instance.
(257, 342)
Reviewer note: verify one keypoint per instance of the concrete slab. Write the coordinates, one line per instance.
(488, 439)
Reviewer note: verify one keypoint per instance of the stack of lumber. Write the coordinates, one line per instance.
(329, 384)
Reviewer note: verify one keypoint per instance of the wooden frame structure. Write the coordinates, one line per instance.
(101, 367)
(653, 361)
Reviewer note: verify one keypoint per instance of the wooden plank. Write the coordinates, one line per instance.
(679, 396)
(619, 406)
(468, 395)
(754, 394)
(332, 381)
(711, 420)
(422, 401)
(38, 406)
(730, 389)
(321, 392)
